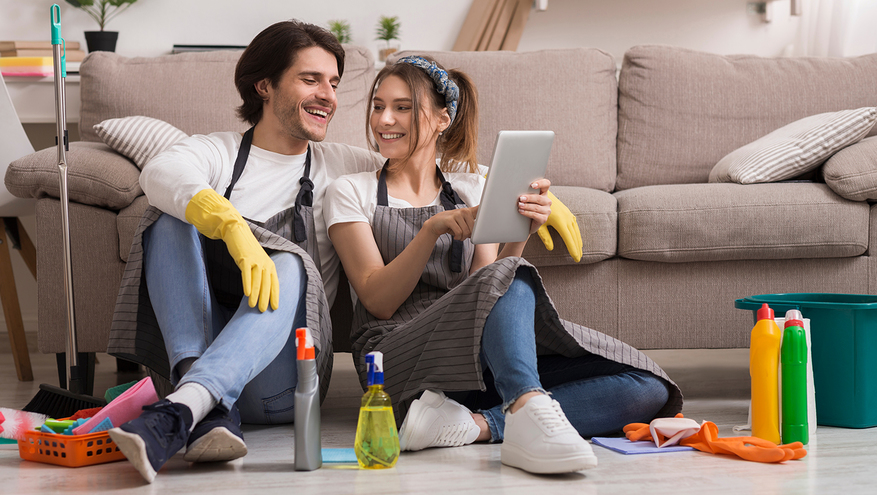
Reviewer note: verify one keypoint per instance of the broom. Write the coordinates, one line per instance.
(50, 400)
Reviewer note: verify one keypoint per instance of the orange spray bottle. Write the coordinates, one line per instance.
(764, 353)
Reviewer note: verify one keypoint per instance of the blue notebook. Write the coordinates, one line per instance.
(625, 446)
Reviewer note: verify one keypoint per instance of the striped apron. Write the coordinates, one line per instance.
(135, 334)
(433, 340)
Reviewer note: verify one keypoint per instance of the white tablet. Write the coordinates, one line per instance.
(520, 157)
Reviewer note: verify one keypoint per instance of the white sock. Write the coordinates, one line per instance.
(195, 397)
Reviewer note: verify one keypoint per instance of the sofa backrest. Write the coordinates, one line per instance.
(680, 111)
(195, 92)
(572, 92)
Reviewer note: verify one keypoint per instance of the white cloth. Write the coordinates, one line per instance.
(354, 198)
(268, 185)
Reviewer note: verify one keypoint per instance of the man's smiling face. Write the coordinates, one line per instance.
(303, 100)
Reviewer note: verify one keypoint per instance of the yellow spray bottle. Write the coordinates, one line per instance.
(764, 353)
(377, 440)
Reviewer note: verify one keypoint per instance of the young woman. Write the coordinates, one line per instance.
(470, 320)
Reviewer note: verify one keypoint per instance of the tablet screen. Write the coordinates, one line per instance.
(519, 158)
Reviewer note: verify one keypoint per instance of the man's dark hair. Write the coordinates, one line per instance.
(271, 53)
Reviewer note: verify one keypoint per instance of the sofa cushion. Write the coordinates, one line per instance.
(195, 92)
(716, 222)
(138, 138)
(852, 171)
(96, 176)
(572, 92)
(795, 148)
(680, 111)
(597, 215)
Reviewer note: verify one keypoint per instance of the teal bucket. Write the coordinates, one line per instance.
(843, 336)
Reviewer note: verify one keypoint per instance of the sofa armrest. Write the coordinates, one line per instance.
(96, 176)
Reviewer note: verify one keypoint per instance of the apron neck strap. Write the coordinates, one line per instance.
(241, 161)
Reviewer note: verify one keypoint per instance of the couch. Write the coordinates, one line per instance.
(665, 251)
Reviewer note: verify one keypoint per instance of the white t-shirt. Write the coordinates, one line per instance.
(268, 185)
(354, 198)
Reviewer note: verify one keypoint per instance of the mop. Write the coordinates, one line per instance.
(50, 400)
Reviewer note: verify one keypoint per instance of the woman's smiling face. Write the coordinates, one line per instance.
(392, 120)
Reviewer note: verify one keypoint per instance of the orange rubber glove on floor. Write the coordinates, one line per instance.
(707, 440)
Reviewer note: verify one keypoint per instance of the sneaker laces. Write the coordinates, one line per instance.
(165, 423)
(453, 435)
(551, 417)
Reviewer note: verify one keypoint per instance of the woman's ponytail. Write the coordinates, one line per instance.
(458, 144)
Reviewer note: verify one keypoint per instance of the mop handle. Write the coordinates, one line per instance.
(59, 56)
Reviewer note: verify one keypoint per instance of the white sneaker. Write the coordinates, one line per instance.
(436, 421)
(539, 439)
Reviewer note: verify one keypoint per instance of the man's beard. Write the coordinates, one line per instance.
(291, 120)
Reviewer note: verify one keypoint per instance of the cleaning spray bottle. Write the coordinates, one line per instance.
(377, 441)
(764, 354)
(794, 359)
(308, 448)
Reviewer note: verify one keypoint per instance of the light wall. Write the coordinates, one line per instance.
(152, 27)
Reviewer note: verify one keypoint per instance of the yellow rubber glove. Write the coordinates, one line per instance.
(216, 218)
(564, 222)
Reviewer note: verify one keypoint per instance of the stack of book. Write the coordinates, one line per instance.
(34, 58)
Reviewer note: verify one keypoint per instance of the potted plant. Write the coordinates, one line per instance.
(388, 30)
(341, 30)
(102, 11)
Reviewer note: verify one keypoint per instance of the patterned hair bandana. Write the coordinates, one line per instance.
(443, 84)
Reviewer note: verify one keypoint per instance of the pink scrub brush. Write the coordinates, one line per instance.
(14, 423)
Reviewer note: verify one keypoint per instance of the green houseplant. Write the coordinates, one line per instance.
(102, 11)
(341, 30)
(388, 30)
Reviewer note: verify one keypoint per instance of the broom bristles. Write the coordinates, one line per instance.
(59, 403)
(15, 423)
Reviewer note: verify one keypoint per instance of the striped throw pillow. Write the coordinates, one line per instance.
(796, 148)
(138, 138)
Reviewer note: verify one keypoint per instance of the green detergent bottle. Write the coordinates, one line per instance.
(793, 356)
(377, 440)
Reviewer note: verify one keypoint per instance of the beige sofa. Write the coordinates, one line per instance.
(665, 253)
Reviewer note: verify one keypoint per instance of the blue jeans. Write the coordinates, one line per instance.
(598, 396)
(242, 356)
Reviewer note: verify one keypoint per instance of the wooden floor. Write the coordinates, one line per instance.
(715, 383)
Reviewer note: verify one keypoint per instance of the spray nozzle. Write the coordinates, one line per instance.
(794, 319)
(374, 361)
(304, 343)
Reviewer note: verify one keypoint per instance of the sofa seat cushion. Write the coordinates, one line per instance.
(717, 222)
(96, 176)
(597, 215)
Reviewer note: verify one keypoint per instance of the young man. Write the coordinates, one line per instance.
(235, 227)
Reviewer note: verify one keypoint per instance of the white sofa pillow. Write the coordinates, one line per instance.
(795, 148)
(138, 138)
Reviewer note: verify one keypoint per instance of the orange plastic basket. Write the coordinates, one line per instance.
(69, 450)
